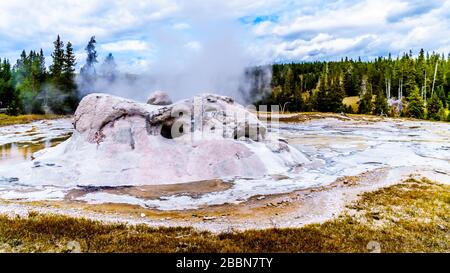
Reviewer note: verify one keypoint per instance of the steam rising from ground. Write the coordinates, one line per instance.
(184, 67)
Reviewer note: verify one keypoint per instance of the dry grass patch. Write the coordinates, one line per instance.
(12, 120)
(352, 102)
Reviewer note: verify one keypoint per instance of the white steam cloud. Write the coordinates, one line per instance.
(184, 66)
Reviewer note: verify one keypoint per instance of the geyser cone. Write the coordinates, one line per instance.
(123, 142)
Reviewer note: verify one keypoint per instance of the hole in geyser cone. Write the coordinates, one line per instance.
(166, 131)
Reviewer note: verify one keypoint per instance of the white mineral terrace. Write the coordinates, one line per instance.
(111, 150)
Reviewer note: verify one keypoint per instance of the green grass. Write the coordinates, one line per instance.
(12, 120)
(413, 216)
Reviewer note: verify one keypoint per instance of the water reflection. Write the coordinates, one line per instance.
(23, 151)
(18, 143)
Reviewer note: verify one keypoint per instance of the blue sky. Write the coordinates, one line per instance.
(158, 34)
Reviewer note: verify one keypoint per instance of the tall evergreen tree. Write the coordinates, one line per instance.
(68, 68)
(433, 107)
(91, 58)
(415, 108)
(70, 86)
(381, 105)
(336, 95)
(56, 69)
(54, 96)
(42, 62)
(350, 83)
(365, 103)
(8, 97)
(88, 74)
(321, 96)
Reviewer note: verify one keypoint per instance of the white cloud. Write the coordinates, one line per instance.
(307, 29)
(356, 28)
(138, 65)
(38, 22)
(363, 14)
(182, 26)
(194, 45)
(126, 45)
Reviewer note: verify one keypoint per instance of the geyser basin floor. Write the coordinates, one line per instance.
(407, 217)
(347, 158)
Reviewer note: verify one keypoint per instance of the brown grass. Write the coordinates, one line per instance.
(12, 120)
(413, 216)
(352, 102)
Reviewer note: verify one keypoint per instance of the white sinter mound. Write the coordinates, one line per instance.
(122, 142)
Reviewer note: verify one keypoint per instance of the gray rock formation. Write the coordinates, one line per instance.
(159, 98)
(123, 142)
(208, 114)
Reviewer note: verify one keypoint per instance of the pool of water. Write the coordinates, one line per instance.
(19, 142)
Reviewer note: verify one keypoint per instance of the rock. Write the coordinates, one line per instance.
(440, 171)
(119, 142)
(95, 111)
(73, 247)
(159, 98)
(5, 248)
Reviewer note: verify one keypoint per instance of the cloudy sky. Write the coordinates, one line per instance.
(153, 34)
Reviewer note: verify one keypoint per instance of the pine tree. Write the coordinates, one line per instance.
(91, 52)
(288, 81)
(56, 68)
(68, 68)
(298, 103)
(69, 62)
(433, 107)
(365, 103)
(350, 83)
(415, 108)
(20, 69)
(440, 93)
(70, 87)
(91, 59)
(8, 96)
(61, 96)
(336, 95)
(36, 73)
(42, 62)
(442, 115)
(448, 99)
(381, 105)
(321, 97)
(87, 72)
(410, 80)
(27, 80)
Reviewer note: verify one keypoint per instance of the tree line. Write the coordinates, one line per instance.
(28, 86)
(409, 86)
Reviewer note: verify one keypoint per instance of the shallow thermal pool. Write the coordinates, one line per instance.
(335, 148)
